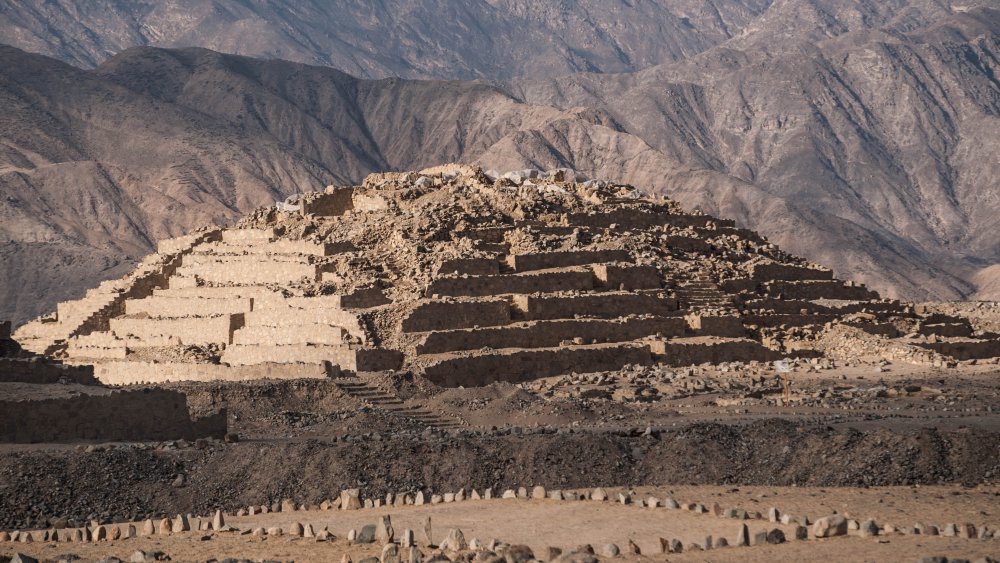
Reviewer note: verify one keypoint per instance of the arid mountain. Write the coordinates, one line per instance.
(882, 142)
(407, 38)
(96, 165)
(860, 135)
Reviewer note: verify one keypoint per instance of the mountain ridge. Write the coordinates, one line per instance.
(866, 149)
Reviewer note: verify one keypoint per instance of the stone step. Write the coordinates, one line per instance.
(549, 334)
(133, 373)
(349, 358)
(303, 317)
(188, 331)
(707, 349)
(289, 247)
(439, 314)
(599, 305)
(391, 404)
(470, 266)
(300, 334)
(216, 292)
(471, 370)
(254, 235)
(775, 271)
(549, 260)
(822, 289)
(963, 348)
(166, 307)
(250, 272)
(776, 320)
(537, 282)
(626, 218)
(236, 260)
(627, 276)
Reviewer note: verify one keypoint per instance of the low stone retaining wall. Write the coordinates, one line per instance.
(139, 373)
(38, 370)
(148, 414)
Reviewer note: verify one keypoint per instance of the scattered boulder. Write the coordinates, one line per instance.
(349, 499)
(455, 541)
(366, 535)
(830, 526)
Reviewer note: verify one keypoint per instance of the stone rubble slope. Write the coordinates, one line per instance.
(470, 277)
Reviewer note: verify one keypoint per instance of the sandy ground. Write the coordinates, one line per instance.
(566, 524)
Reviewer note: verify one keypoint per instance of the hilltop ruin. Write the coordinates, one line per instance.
(468, 278)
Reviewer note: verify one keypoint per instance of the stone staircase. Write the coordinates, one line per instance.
(376, 397)
(701, 293)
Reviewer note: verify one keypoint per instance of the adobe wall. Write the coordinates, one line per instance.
(147, 414)
(140, 373)
(38, 370)
(445, 315)
(526, 365)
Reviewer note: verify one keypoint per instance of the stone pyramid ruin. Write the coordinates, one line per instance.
(468, 277)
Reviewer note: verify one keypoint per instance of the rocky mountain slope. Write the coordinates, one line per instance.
(876, 138)
(859, 135)
(408, 38)
(97, 165)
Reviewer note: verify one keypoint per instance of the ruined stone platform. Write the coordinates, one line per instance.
(470, 277)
